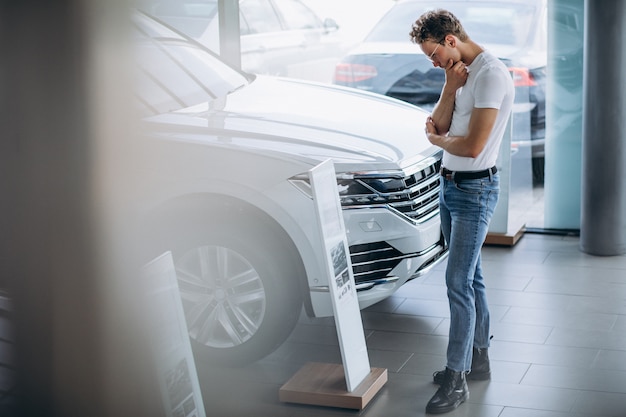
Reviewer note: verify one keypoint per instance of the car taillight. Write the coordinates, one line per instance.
(522, 77)
(351, 73)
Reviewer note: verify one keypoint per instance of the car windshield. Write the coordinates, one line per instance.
(486, 23)
(176, 73)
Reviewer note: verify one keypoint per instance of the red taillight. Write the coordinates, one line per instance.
(522, 77)
(351, 73)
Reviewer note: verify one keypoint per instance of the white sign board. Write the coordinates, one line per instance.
(175, 366)
(340, 277)
(500, 219)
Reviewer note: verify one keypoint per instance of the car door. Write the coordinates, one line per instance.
(266, 47)
(318, 46)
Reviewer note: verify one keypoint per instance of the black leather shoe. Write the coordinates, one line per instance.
(452, 393)
(480, 371)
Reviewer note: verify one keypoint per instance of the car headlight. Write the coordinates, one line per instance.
(367, 191)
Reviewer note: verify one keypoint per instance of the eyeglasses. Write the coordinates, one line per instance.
(433, 53)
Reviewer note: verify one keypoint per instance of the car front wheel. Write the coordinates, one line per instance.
(238, 281)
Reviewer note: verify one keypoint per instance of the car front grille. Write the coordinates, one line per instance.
(414, 195)
(373, 261)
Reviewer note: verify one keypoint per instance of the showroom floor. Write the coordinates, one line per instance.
(559, 346)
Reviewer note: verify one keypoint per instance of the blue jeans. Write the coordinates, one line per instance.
(466, 208)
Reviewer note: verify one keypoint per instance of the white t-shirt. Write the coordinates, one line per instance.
(489, 85)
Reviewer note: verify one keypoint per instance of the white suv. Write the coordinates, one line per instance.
(224, 160)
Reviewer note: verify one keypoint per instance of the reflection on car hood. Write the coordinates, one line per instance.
(313, 121)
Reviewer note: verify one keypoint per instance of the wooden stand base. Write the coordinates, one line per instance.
(510, 238)
(325, 384)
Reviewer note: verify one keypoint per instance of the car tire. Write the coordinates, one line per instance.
(239, 281)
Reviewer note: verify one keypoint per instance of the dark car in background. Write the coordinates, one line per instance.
(388, 63)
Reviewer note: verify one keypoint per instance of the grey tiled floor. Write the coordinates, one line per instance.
(559, 346)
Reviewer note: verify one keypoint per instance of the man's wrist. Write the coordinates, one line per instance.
(448, 91)
(434, 138)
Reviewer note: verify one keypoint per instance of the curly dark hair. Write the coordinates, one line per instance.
(435, 25)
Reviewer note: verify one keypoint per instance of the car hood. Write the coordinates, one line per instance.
(358, 130)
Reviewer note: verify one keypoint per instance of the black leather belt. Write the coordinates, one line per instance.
(467, 175)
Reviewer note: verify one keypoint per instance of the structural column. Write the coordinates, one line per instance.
(64, 160)
(603, 207)
(230, 41)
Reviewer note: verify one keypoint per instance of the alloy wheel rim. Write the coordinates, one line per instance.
(223, 296)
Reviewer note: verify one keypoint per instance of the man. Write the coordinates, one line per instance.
(468, 123)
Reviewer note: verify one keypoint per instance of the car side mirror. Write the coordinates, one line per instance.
(330, 25)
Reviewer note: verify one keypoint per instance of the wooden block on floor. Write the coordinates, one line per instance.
(325, 384)
(510, 238)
